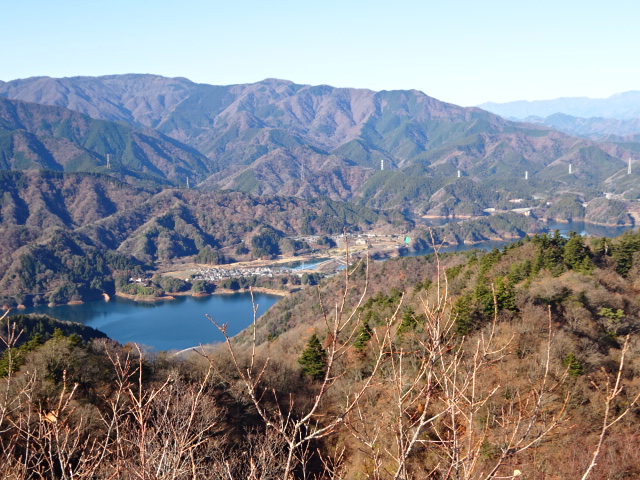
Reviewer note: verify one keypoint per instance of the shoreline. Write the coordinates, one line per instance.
(218, 291)
(144, 298)
(380, 252)
(172, 296)
(597, 224)
(453, 218)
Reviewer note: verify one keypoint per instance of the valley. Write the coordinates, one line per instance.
(319, 240)
(178, 201)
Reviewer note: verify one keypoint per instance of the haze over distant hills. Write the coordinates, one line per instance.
(622, 106)
(276, 136)
(595, 128)
(616, 118)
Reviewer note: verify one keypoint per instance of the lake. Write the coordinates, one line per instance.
(564, 228)
(166, 325)
(589, 229)
(182, 323)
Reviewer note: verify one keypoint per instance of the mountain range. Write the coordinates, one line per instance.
(622, 106)
(615, 119)
(595, 128)
(387, 149)
(34, 136)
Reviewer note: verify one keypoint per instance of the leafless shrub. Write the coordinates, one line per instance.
(419, 403)
(610, 390)
(298, 427)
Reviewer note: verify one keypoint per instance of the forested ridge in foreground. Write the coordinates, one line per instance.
(514, 363)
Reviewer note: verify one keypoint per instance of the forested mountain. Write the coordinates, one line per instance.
(64, 235)
(275, 136)
(495, 364)
(271, 137)
(34, 136)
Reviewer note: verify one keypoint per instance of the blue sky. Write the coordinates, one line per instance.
(460, 51)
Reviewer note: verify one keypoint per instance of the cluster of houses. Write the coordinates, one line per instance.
(217, 274)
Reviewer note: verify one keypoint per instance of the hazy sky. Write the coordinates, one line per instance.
(460, 51)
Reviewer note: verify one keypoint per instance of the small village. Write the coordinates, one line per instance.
(213, 274)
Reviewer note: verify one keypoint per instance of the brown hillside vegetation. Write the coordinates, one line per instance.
(69, 235)
(276, 136)
(519, 363)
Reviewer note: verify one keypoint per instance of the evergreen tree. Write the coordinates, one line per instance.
(573, 365)
(549, 255)
(463, 314)
(505, 295)
(363, 336)
(483, 297)
(623, 251)
(576, 255)
(408, 320)
(313, 359)
(612, 319)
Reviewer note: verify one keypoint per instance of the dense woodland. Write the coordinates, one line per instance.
(454, 366)
(70, 237)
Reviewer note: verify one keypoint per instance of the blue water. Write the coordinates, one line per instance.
(589, 229)
(581, 228)
(167, 325)
(303, 265)
(182, 323)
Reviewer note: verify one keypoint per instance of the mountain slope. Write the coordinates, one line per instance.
(279, 137)
(55, 138)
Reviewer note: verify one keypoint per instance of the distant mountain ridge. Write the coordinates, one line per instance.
(327, 117)
(400, 149)
(622, 106)
(595, 128)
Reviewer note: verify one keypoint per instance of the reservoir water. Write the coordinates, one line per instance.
(564, 228)
(588, 229)
(182, 323)
(167, 325)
